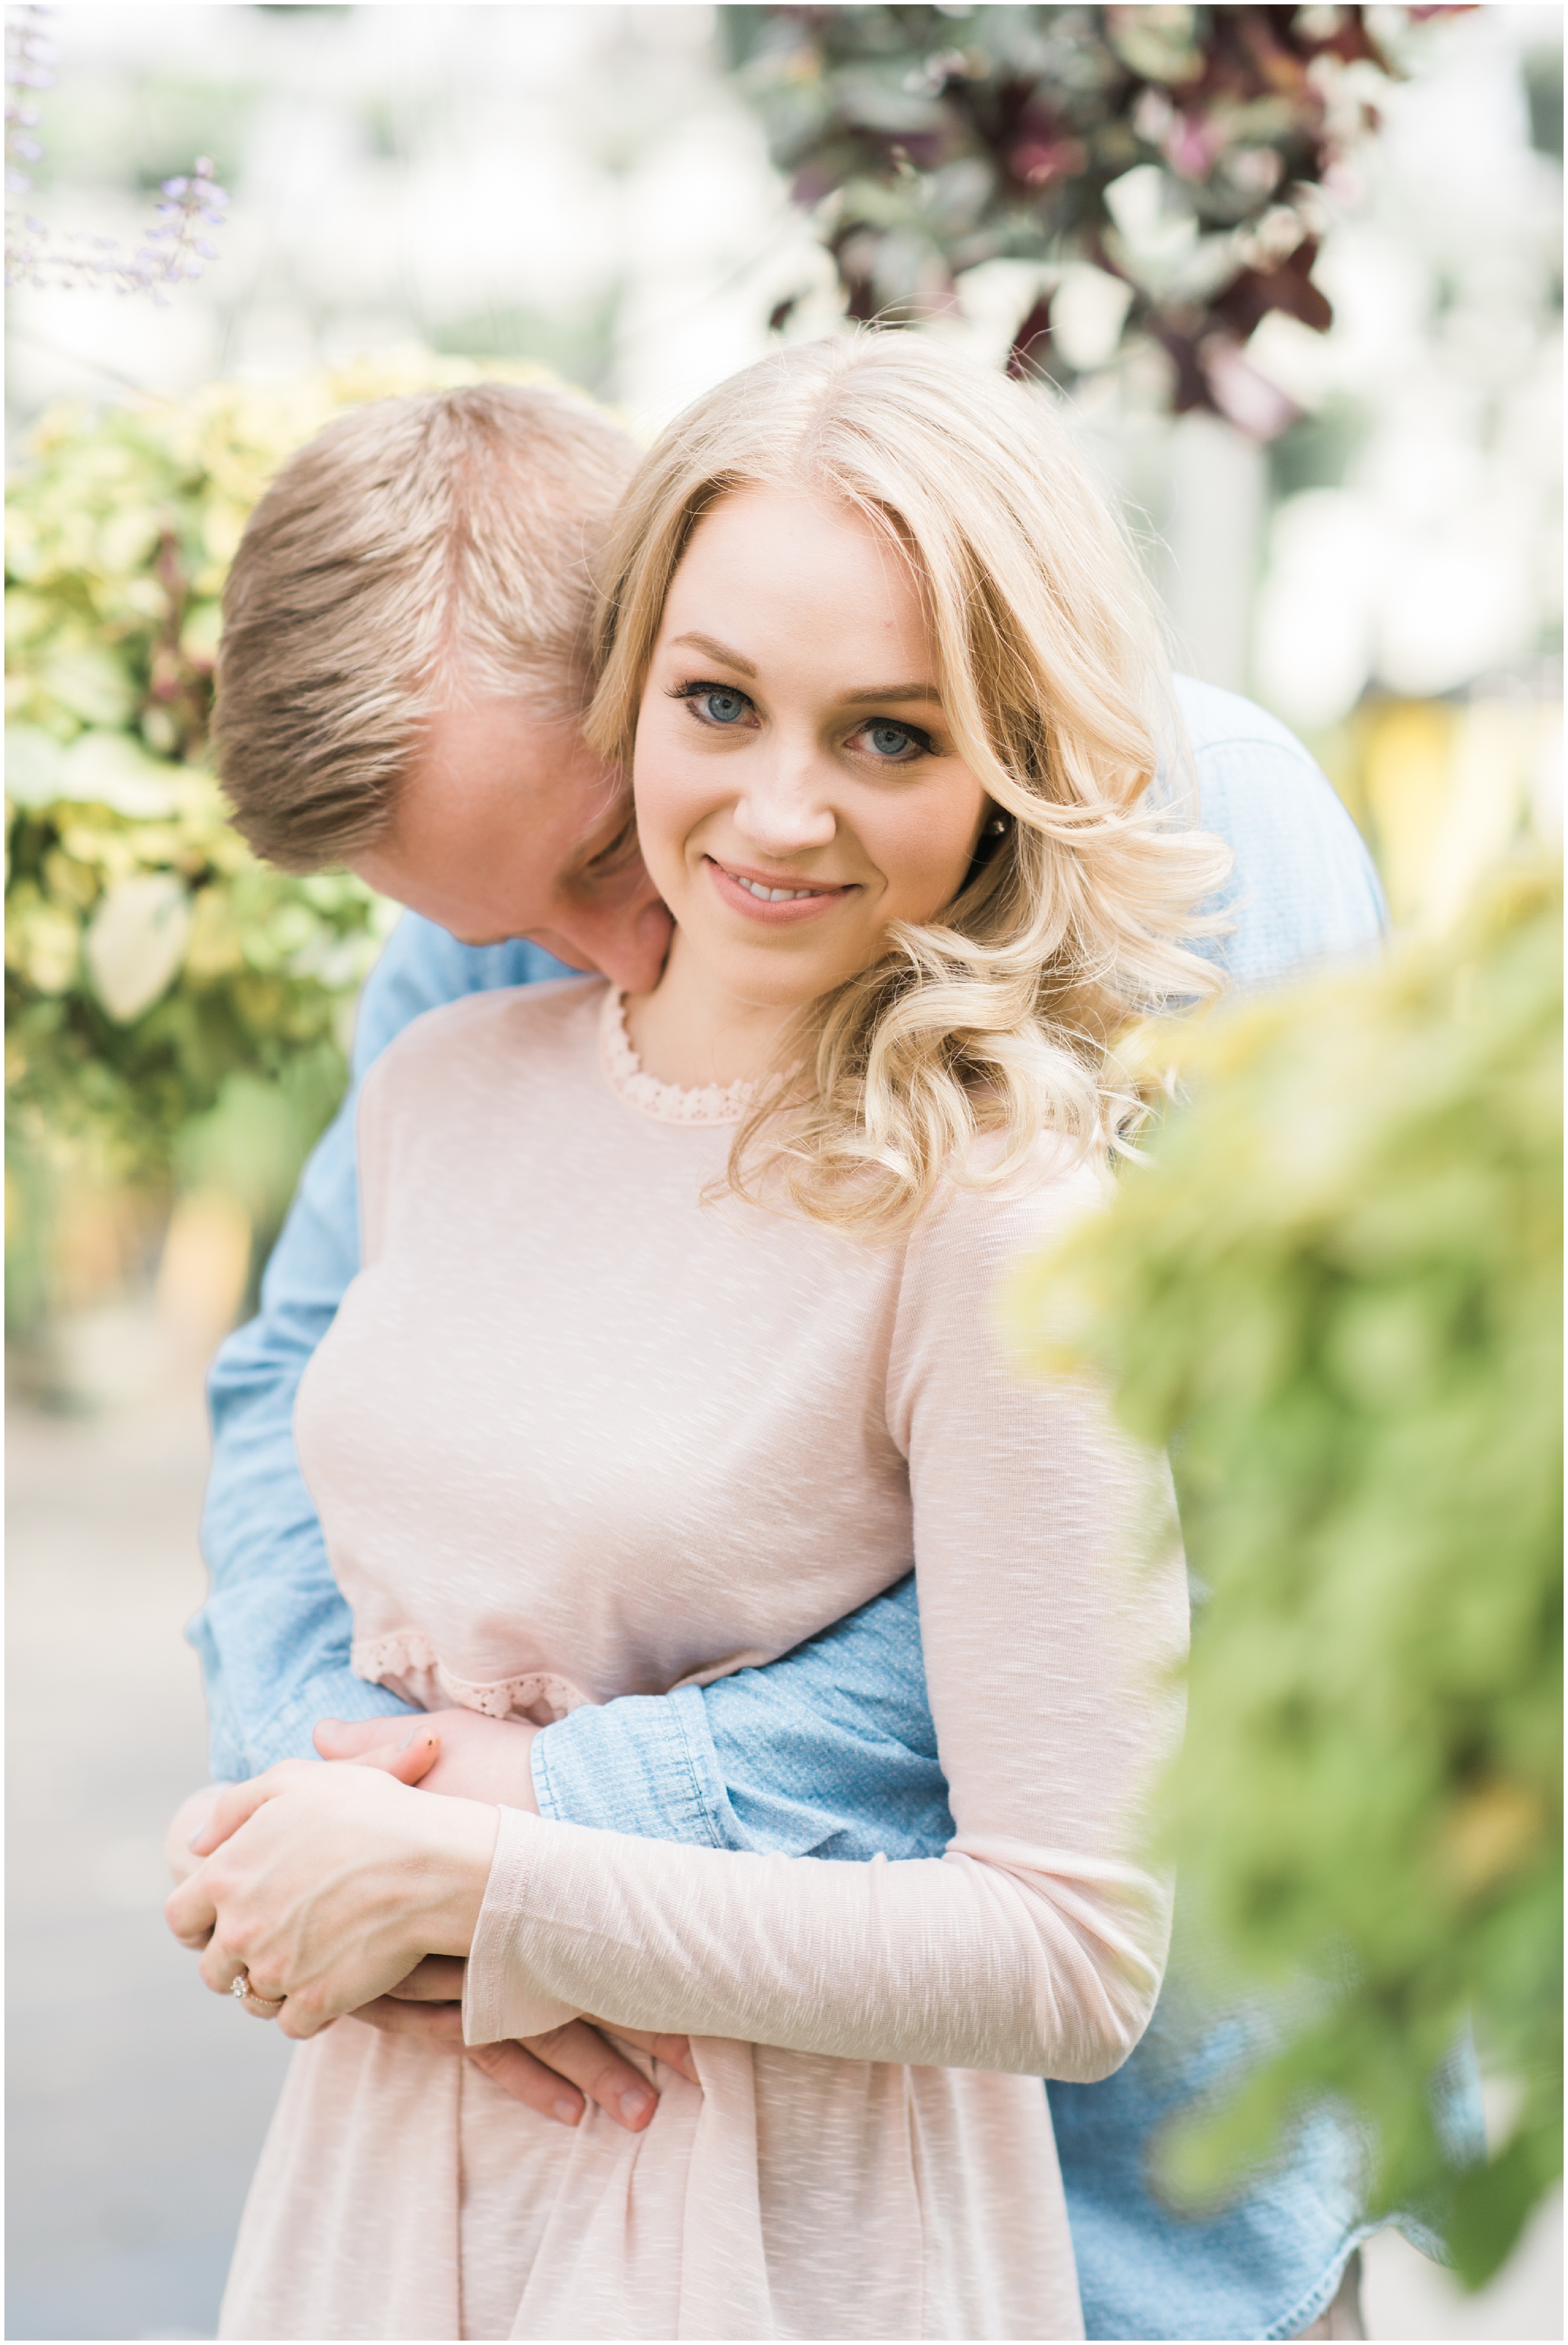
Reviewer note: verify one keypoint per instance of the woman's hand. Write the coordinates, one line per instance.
(190, 1819)
(411, 1755)
(328, 1885)
(468, 1757)
(480, 1758)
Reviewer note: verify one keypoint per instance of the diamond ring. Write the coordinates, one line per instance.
(241, 1988)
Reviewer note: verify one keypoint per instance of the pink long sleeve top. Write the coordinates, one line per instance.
(579, 1431)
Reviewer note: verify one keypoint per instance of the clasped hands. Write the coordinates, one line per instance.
(345, 1890)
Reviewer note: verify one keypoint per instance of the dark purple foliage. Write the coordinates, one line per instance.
(932, 139)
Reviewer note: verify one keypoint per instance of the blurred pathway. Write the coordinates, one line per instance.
(137, 2100)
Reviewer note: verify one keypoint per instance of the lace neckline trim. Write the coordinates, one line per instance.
(665, 1102)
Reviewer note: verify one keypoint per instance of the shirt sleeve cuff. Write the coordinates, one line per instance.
(337, 1694)
(644, 1764)
(499, 2003)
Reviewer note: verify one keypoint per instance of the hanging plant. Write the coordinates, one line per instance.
(1164, 165)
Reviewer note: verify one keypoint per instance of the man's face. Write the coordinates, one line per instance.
(508, 826)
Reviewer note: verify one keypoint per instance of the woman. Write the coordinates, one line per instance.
(883, 677)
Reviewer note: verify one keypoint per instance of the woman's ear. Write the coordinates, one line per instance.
(994, 829)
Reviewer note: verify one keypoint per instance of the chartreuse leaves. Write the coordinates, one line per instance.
(1335, 1291)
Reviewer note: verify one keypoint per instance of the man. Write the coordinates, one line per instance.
(404, 661)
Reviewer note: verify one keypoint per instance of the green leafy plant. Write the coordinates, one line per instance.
(151, 963)
(1336, 1292)
(1177, 152)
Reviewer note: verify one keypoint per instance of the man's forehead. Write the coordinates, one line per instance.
(506, 744)
(488, 725)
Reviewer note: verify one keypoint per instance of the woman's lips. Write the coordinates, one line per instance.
(741, 890)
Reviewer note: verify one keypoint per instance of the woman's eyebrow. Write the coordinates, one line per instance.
(863, 699)
(717, 651)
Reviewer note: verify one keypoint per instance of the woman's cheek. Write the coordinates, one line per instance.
(931, 861)
(665, 814)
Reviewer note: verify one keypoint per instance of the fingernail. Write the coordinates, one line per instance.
(196, 1835)
(635, 2105)
(568, 2111)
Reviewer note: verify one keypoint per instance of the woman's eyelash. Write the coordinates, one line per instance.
(914, 734)
(700, 686)
(919, 740)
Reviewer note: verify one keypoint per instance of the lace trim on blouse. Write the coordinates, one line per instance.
(411, 1665)
(665, 1102)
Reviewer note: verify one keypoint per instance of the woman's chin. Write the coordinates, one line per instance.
(774, 979)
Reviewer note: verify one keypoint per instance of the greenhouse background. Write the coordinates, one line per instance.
(1360, 528)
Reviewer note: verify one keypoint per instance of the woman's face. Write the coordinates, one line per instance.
(797, 785)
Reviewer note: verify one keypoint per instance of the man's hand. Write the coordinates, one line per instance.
(478, 1757)
(328, 1885)
(552, 2073)
(489, 1759)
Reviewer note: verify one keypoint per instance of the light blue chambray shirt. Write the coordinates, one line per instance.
(829, 1751)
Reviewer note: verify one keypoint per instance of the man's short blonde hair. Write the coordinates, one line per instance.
(418, 551)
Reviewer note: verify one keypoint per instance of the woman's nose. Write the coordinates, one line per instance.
(785, 806)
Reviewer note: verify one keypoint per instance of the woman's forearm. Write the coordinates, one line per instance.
(1052, 1608)
(1004, 1958)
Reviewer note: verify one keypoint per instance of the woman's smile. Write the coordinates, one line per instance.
(775, 902)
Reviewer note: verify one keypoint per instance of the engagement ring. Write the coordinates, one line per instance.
(241, 1988)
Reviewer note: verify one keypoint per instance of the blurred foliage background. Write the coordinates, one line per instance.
(1298, 273)
(1336, 1291)
(178, 1014)
(1177, 153)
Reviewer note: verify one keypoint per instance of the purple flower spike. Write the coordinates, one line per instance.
(170, 251)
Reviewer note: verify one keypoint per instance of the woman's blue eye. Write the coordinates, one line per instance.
(890, 740)
(723, 708)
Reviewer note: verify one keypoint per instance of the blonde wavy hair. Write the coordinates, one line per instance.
(997, 1017)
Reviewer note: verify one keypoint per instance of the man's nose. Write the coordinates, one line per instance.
(626, 941)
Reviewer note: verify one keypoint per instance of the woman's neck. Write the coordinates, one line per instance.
(689, 1030)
